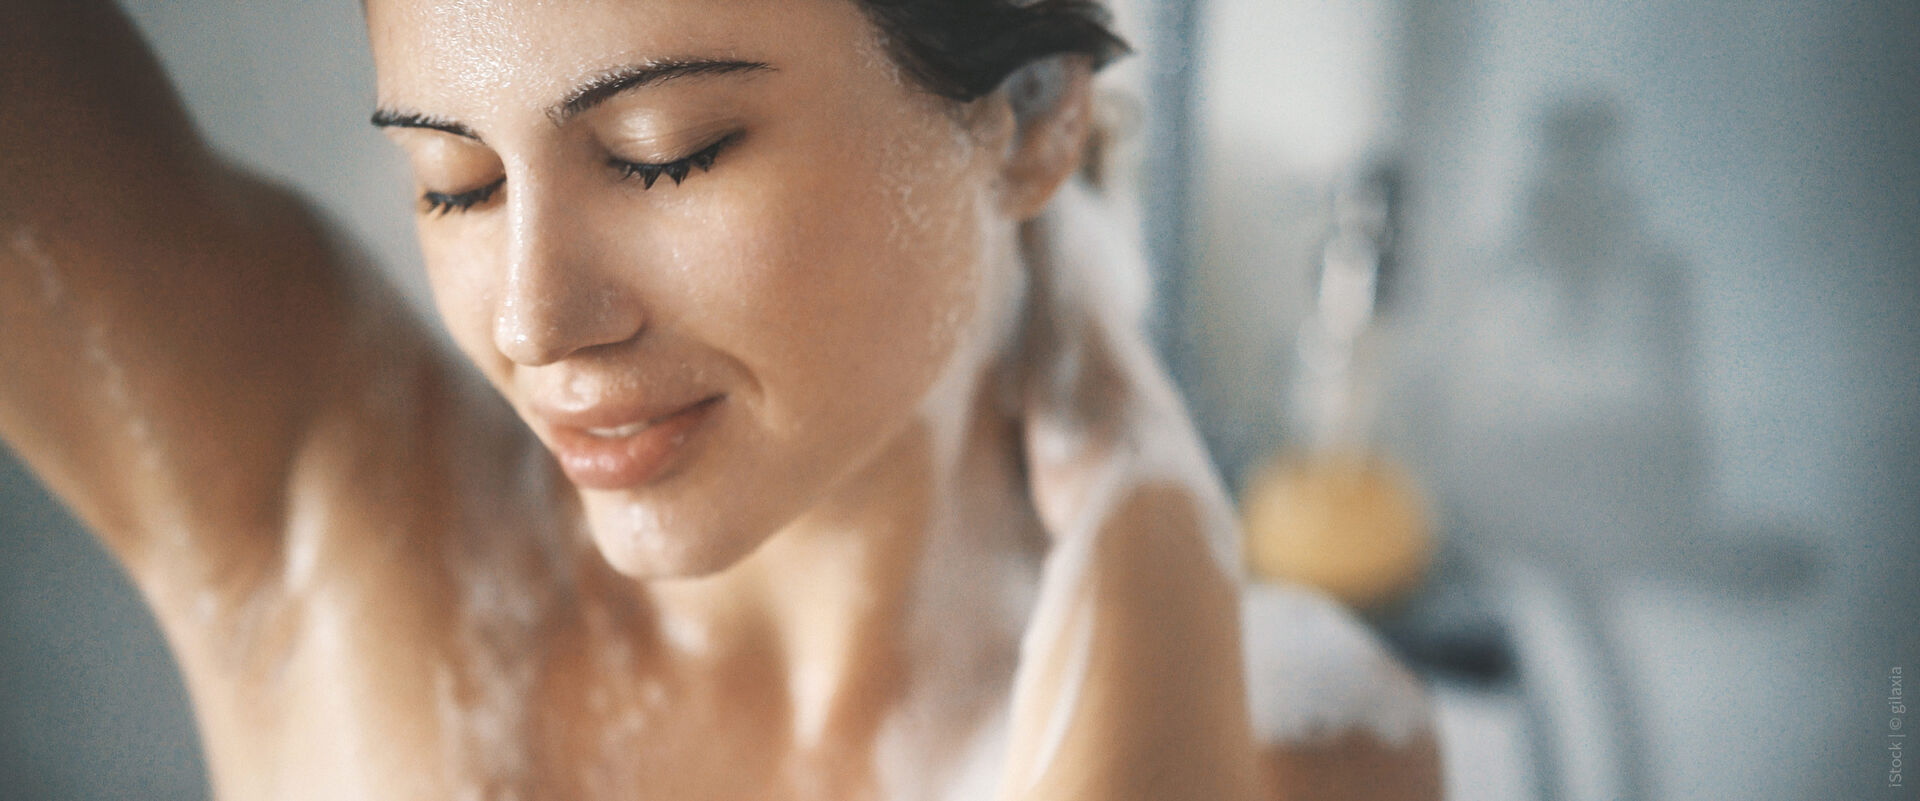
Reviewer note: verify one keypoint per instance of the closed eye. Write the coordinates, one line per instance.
(443, 202)
(678, 169)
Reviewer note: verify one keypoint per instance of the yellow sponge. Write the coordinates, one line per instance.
(1350, 524)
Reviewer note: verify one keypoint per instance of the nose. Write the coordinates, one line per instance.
(561, 295)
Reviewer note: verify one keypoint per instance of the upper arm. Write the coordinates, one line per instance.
(167, 324)
(159, 365)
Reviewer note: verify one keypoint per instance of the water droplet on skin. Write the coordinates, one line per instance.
(307, 523)
(687, 634)
(159, 496)
(23, 243)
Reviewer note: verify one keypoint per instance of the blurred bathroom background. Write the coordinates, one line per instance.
(1629, 295)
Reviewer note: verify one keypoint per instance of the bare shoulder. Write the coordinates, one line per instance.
(1337, 716)
(1129, 685)
(1158, 709)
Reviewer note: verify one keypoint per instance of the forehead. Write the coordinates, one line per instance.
(473, 56)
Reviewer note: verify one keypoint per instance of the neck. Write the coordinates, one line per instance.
(861, 596)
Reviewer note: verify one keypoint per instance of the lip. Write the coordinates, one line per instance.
(608, 448)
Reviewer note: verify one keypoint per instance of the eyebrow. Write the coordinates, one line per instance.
(389, 118)
(591, 92)
(602, 87)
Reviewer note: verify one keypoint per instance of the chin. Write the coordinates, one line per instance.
(641, 542)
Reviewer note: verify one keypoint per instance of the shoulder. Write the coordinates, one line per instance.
(1128, 685)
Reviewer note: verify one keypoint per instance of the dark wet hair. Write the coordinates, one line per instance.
(964, 49)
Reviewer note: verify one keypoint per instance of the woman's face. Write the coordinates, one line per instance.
(715, 252)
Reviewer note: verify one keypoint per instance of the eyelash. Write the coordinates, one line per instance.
(678, 169)
(443, 203)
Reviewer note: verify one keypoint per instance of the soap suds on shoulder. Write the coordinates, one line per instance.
(1314, 672)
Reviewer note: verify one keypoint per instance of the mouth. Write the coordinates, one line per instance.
(622, 432)
(627, 455)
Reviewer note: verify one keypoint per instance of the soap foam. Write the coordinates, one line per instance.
(1314, 672)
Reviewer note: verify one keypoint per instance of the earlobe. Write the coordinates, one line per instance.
(1051, 103)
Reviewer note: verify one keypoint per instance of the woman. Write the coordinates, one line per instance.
(802, 460)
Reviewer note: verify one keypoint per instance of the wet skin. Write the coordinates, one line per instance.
(743, 498)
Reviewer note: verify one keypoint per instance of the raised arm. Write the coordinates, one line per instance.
(166, 322)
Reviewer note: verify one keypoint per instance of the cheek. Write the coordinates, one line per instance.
(464, 295)
(852, 292)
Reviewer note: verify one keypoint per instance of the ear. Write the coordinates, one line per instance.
(1051, 106)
